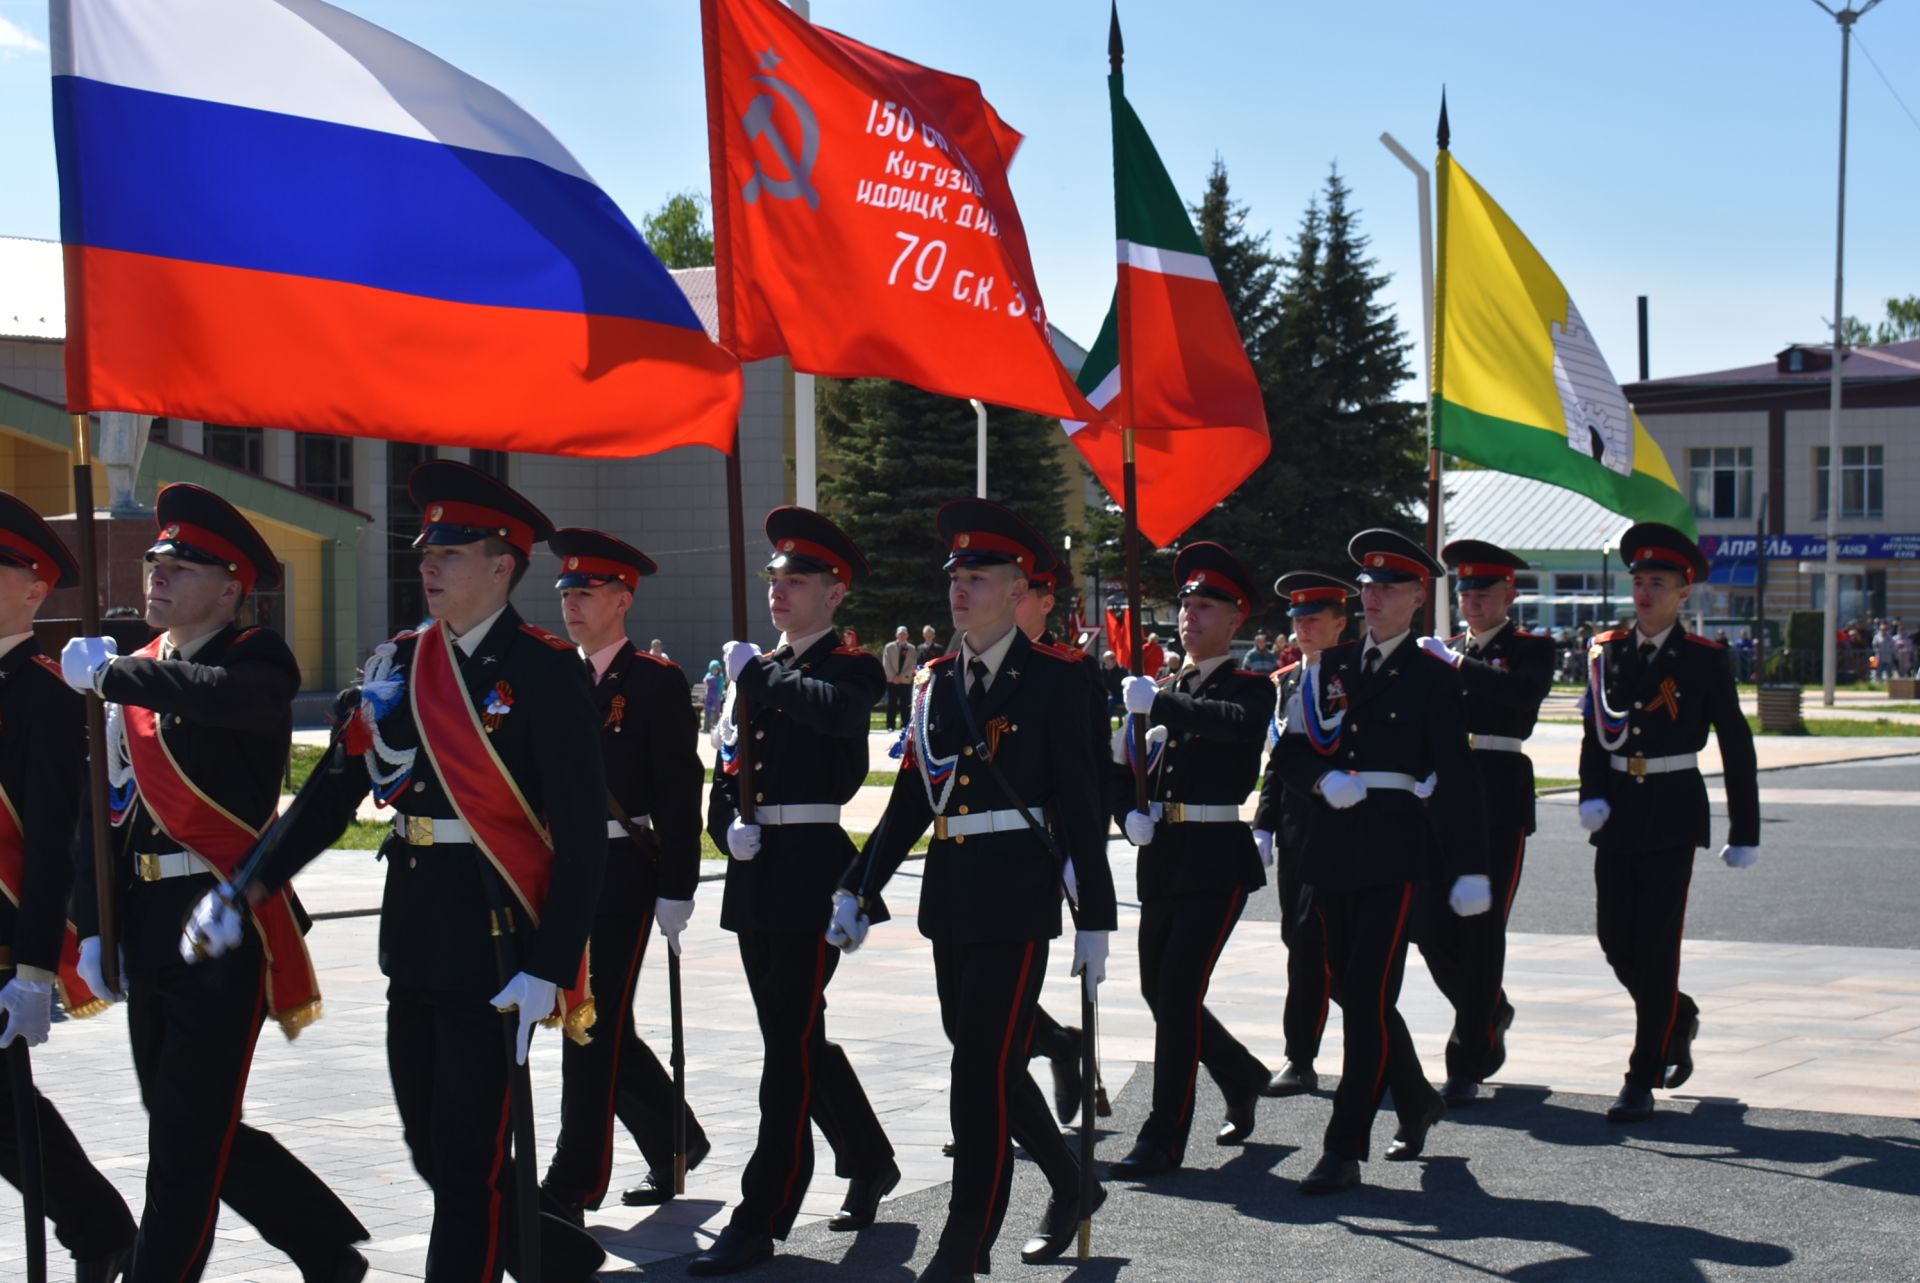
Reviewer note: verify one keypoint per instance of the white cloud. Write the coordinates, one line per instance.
(16, 40)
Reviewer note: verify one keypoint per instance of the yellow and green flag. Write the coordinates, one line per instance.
(1519, 384)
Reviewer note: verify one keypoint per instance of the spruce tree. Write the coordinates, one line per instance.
(891, 455)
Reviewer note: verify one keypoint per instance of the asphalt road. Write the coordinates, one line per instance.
(1841, 873)
(1526, 1185)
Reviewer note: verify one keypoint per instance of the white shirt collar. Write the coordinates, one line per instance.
(801, 645)
(1206, 667)
(1386, 648)
(1659, 639)
(992, 657)
(601, 658)
(193, 645)
(470, 641)
(1481, 639)
(8, 643)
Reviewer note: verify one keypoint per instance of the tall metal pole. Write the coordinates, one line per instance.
(806, 432)
(1436, 527)
(1829, 647)
(980, 448)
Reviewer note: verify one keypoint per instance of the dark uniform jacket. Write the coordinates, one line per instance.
(1506, 682)
(226, 716)
(1212, 756)
(43, 766)
(647, 739)
(1003, 886)
(1406, 718)
(807, 732)
(1669, 705)
(1284, 811)
(435, 943)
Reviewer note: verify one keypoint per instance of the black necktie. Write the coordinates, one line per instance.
(782, 655)
(593, 678)
(1372, 664)
(977, 689)
(1647, 652)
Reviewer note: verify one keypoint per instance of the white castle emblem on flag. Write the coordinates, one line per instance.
(1599, 421)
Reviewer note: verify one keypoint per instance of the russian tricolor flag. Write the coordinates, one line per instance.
(276, 213)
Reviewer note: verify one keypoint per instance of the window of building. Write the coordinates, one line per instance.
(267, 608)
(491, 462)
(406, 603)
(323, 467)
(1722, 481)
(1863, 481)
(242, 448)
(1861, 596)
(161, 430)
(1526, 583)
(1581, 584)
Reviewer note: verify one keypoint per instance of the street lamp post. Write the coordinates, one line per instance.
(1829, 653)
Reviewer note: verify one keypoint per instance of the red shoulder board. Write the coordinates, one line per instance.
(937, 659)
(540, 634)
(1069, 654)
(244, 635)
(638, 653)
(849, 650)
(1278, 673)
(1708, 642)
(51, 665)
(1247, 672)
(1612, 635)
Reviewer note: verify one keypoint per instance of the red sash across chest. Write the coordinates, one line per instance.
(201, 825)
(503, 826)
(75, 996)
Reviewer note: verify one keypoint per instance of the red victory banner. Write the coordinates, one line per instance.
(863, 222)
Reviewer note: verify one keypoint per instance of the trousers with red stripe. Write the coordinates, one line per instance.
(616, 1075)
(1180, 942)
(1304, 1017)
(1366, 931)
(804, 1080)
(193, 1031)
(987, 991)
(1467, 957)
(1641, 914)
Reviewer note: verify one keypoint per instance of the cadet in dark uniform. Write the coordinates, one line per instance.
(1507, 673)
(197, 751)
(1653, 691)
(1198, 862)
(647, 738)
(43, 754)
(998, 708)
(480, 731)
(1317, 604)
(806, 728)
(1378, 716)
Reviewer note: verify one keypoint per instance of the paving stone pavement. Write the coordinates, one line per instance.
(1785, 1026)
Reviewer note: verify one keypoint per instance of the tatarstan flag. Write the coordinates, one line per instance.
(1169, 359)
(1519, 384)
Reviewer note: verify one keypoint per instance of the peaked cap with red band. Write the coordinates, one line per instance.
(1307, 592)
(1209, 570)
(589, 558)
(461, 505)
(29, 543)
(807, 542)
(1475, 563)
(1653, 546)
(979, 532)
(1388, 557)
(199, 526)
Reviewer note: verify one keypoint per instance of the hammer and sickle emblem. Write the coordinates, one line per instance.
(759, 123)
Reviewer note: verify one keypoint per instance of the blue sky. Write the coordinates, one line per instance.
(1681, 150)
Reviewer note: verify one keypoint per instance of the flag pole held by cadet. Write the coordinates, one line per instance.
(33, 1172)
(103, 880)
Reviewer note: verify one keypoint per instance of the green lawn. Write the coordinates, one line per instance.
(1847, 727)
(1542, 782)
(365, 835)
(708, 851)
(305, 758)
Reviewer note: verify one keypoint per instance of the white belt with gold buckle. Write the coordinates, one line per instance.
(798, 813)
(1386, 780)
(1196, 812)
(616, 830)
(426, 830)
(1497, 743)
(965, 826)
(1654, 765)
(172, 864)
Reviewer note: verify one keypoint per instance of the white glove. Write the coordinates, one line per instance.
(1139, 826)
(673, 916)
(533, 998)
(1472, 895)
(1090, 958)
(743, 840)
(213, 928)
(82, 659)
(28, 1007)
(1117, 746)
(1068, 876)
(1440, 650)
(1138, 694)
(1593, 813)
(1263, 843)
(1424, 789)
(735, 655)
(1739, 857)
(1342, 790)
(89, 969)
(847, 928)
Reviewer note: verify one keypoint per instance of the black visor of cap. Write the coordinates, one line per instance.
(180, 550)
(796, 563)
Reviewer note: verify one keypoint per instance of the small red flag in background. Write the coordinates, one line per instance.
(1119, 641)
(863, 223)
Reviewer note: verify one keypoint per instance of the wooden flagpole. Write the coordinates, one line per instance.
(96, 708)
